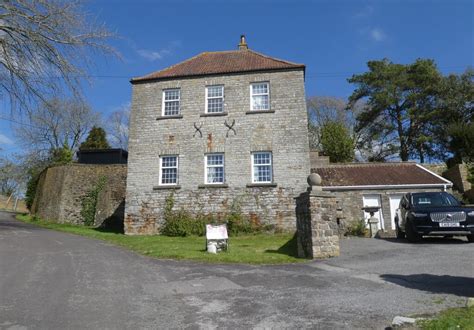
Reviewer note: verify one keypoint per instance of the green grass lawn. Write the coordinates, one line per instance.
(250, 249)
(453, 318)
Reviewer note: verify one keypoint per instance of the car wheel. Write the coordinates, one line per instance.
(412, 235)
(400, 233)
(470, 238)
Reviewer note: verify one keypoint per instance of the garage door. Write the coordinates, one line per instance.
(394, 202)
(373, 200)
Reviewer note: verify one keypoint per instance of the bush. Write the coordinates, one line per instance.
(181, 223)
(357, 228)
(31, 188)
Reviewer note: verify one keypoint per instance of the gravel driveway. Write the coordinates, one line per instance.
(53, 280)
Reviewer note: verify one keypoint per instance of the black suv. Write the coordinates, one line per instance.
(433, 214)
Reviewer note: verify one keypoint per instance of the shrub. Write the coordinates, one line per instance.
(31, 188)
(240, 224)
(357, 228)
(181, 223)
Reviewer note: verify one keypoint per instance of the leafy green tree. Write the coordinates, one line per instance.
(400, 105)
(61, 156)
(337, 142)
(461, 141)
(454, 124)
(95, 140)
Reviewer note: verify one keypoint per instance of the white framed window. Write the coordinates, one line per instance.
(171, 102)
(262, 167)
(214, 171)
(169, 170)
(214, 99)
(260, 96)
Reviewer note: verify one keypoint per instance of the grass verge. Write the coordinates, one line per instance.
(250, 249)
(453, 318)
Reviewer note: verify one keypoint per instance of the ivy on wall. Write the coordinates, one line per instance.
(89, 202)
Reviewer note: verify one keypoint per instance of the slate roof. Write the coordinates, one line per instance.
(377, 174)
(210, 63)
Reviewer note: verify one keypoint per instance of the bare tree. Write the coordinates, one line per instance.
(44, 46)
(326, 109)
(117, 127)
(9, 177)
(56, 124)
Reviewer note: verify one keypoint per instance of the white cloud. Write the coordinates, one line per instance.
(365, 12)
(154, 55)
(5, 139)
(377, 34)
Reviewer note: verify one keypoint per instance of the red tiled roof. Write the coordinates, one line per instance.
(376, 174)
(210, 63)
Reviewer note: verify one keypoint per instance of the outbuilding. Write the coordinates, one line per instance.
(377, 184)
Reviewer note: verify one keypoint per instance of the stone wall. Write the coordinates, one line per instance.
(458, 175)
(61, 190)
(282, 130)
(436, 168)
(317, 225)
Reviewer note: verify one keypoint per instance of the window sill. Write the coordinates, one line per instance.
(262, 184)
(253, 112)
(213, 114)
(210, 185)
(175, 186)
(169, 117)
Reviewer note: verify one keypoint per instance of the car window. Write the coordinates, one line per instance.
(434, 200)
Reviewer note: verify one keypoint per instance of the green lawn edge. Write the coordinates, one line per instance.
(452, 318)
(257, 249)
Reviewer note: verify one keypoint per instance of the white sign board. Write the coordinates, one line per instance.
(216, 232)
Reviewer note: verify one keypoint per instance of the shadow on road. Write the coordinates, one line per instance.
(428, 240)
(457, 285)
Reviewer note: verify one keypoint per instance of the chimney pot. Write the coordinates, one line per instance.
(243, 43)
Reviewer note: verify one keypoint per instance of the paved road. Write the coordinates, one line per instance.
(53, 280)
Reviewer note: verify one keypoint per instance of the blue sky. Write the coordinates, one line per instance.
(333, 38)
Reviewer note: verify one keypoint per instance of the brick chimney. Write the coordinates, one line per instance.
(243, 43)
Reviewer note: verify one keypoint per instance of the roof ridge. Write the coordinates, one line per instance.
(235, 61)
(274, 58)
(367, 164)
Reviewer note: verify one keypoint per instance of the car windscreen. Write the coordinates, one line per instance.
(434, 200)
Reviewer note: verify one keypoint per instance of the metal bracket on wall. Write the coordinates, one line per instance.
(198, 130)
(230, 127)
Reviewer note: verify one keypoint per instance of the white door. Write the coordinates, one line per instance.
(394, 203)
(373, 200)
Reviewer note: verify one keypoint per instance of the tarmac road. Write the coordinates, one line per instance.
(53, 280)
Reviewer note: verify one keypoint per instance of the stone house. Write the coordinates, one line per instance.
(218, 132)
(377, 184)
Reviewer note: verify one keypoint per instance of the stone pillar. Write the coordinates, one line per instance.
(317, 226)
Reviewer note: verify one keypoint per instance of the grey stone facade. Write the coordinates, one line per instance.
(282, 130)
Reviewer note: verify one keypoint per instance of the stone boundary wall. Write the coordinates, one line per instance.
(458, 175)
(436, 168)
(61, 190)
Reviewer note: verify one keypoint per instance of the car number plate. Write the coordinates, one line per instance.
(449, 224)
